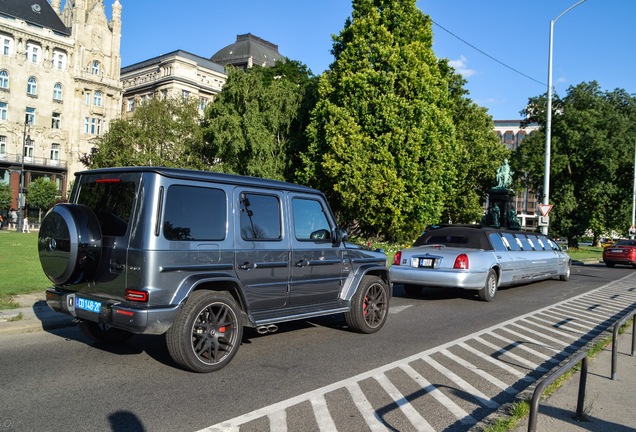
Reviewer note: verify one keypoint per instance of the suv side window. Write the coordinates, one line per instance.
(310, 221)
(260, 217)
(111, 200)
(195, 213)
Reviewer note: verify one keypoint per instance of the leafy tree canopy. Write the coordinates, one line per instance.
(6, 197)
(162, 132)
(381, 139)
(592, 159)
(256, 124)
(478, 151)
(41, 194)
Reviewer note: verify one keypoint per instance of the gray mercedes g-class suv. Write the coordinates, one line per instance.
(199, 256)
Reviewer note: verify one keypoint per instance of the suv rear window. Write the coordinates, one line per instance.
(112, 201)
(195, 213)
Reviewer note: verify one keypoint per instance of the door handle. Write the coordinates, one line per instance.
(302, 263)
(247, 266)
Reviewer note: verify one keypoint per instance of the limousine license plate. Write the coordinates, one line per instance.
(426, 262)
(88, 305)
(616, 251)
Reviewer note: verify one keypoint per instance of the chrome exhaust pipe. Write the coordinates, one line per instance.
(266, 329)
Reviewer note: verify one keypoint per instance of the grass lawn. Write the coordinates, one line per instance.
(19, 266)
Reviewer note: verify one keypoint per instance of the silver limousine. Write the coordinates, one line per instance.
(477, 258)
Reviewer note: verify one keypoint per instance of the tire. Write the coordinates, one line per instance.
(566, 276)
(369, 306)
(489, 291)
(412, 290)
(610, 265)
(207, 332)
(102, 334)
(69, 244)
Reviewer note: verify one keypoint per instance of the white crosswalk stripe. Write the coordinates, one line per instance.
(502, 357)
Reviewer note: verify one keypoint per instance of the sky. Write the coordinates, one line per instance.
(499, 46)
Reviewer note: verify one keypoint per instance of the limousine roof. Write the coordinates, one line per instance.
(468, 236)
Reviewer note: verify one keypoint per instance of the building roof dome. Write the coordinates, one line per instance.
(247, 51)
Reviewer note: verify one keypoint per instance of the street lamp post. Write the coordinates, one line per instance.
(20, 220)
(548, 121)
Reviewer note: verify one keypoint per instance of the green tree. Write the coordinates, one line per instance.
(592, 159)
(6, 197)
(162, 131)
(256, 123)
(41, 194)
(381, 142)
(478, 152)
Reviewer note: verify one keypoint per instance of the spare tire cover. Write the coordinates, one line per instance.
(69, 244)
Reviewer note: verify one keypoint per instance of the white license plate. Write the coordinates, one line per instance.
(423, 262)
(88, 305)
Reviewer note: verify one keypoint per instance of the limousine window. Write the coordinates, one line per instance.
(525, 243)
(513, 243)
(498, 243)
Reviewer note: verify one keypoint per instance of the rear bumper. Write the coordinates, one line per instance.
(465, 279)
(113, 313)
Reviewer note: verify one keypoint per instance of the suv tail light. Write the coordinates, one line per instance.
(461, 262)
(397, 258)
(137, 296)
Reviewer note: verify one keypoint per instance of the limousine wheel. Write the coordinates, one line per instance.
(566, 275)
(99, 333)
(69, 244)
(369, 306)
(488, 292)
(207, 332)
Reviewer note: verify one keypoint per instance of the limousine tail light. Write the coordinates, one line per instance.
(461, 262)
(397, 258)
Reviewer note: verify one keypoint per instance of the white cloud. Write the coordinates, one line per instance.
(461, 67)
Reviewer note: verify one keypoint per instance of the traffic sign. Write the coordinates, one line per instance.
(544, 209)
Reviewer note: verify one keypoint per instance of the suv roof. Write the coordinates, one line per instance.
(204, 176)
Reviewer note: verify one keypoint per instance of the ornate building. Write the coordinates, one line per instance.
(176, 74)
(59, 86)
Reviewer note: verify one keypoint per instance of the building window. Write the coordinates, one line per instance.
(4, 79)
(56, 120)
(164, 94)
(95, 68)
(3, 110)
(59, 60)
(32, 86)
(55, 152)
(131, 105)
(203, 102)
(97, 98)
(28, 148)
(30, 116)
(7, 45)
(57, 92)
(92, 126)
(185, 94)
(87, 98)
(3, 146)
(33, 52)
(520, 137)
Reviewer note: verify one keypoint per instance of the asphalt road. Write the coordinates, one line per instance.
(59, 381)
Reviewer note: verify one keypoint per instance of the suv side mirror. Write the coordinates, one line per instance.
(339, 235)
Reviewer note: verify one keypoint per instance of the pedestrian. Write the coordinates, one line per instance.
(25, 225)
(1, 222)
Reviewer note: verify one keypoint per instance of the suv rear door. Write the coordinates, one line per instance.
(262, 247)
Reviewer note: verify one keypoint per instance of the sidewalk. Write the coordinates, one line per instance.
(609, 405)
(33, 316)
